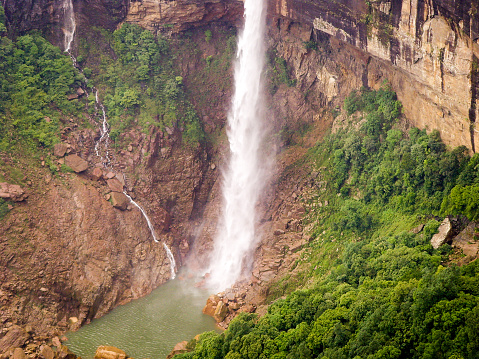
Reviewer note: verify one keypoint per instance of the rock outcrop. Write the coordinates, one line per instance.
(48, 16)
(443, 235)
(12, 192)
(179, 15)
(428, 51)
(109, 352)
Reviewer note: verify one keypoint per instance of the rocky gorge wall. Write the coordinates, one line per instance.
(427, 50)
(73, 245)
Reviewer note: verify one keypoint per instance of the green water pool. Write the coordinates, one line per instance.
(148, 327)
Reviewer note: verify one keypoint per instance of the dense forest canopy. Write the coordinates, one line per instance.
(373, 288)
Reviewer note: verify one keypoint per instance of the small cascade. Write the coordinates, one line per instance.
(69, 28)
(69, 25)
(152, 230)
(104, 140)
(102, 145)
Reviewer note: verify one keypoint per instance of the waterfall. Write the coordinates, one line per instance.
(69, 24)
(243, 179)
(69, 27)
(104, 133)
(153, 234)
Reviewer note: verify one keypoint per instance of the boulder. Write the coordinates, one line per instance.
(46, 352)
(467, 241)
(96, 174)
(109, 352)
(211, 304)
(220, 312)
(56, 342)
(248, 308)
(60, 149)
(119, 200)
(115, 185)
(12, 192)
(443, 235)
(178, 349)
(18, 353)
(76, 163)
(15, 337)
(417, 229)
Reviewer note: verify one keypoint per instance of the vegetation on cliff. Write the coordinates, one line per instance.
(372, 288)
(139, 81)
(35, 80)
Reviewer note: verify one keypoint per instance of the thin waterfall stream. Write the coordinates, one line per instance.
(152, 230)
(102, 145)
(69, 25)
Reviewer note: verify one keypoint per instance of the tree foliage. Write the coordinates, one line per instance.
(378, 290)
(35, 79)
(139, 85)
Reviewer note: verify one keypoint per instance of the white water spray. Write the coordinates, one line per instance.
(152, 230)
(243, 179)
(69, 24)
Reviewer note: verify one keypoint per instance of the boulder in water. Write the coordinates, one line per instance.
(178, 349)
(211, 304)
(76, 163)
(109, 352)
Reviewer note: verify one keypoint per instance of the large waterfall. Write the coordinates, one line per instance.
(243, 179)
(69, 25)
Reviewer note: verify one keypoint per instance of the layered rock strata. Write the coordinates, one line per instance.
(427, 50)
(179, 15)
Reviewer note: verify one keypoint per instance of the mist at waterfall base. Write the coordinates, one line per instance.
(245, 176)
(148, 327)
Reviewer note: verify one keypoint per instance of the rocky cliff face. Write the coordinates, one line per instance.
(73, 246)
(103, 256)
(180, 15)
(48, 15)
(427, 50)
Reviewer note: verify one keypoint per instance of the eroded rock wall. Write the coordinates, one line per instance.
(179, 15)
(427, 50)
(48, 15)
